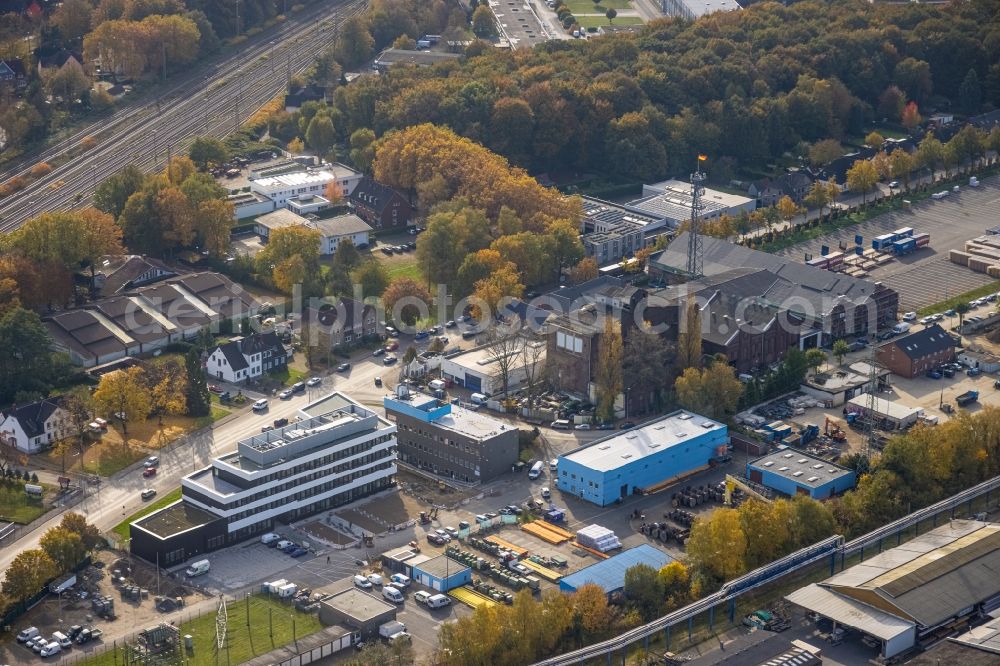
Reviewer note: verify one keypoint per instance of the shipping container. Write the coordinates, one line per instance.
(903, 232)
(818, 262)
(882, 242)
(922, 239)
(904, 246)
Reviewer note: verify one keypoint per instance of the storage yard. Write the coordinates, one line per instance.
(926, 274)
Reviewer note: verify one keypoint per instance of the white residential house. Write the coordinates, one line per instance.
(246, 358)
(36, 427)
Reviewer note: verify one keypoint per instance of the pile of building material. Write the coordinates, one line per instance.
(981, 254)
(103, 606)
(598, 538)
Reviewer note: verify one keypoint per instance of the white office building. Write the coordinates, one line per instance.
(313, 180)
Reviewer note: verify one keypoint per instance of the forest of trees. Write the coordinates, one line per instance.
(744, 87)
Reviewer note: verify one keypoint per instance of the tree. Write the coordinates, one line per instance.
(585, 269)
(914, 78)
(689, 339)
(79, 405)
(862, 177)
(815, 358)
(970, 93)
(25, 359)
(823, 152)
(503, 350)
(718, 544)
(818, 196)
(355, 43)
(787, 208)
(611, 14)
(372, 276)
(646, 355)
(713, 391)
(64, 547)
(478, 266)
(179, 169)
(930, 152)
(590, 604)
(962, 309)
(900, 166)
(483, 22)
(608, 375)
(676, 581)
(840, 350)
(89, 535)
(291, 257)
(562, 246)
(112, 192)
(644, 589)
(321, 135)
(910, 117)
(296, 146)
(346, 257)
(362, 153)
(123, 394)
(28, 571)
(213, 226)
(68, 83)
(532, 357)
(205, 151)
(72, 19)
(167, 389)
(874, 140)
(406, 301)
(491, 291)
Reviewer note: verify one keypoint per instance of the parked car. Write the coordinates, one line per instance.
(421, 335)
(270, 539)
(298, 387)
(933, 374)
(343, 367)
(148, 472)
(947, 372)
(280, 423)
(950, 313)
(286, 394)
(260, 405)
(973, 372)
(389, 360)
(452, 532)
(443, 534)
(894, 185)
(422, 596)
(298, 552)
(451, 324)
(626, 425)
(51, 649)
(375, 579)
(362, 582)
(583, 426)
(909, 316)
(151, 461)
(313, 381)
(435, 539)
(147, 493)
(213, 388)
(27, 634)
(546, 493)
(378, 352)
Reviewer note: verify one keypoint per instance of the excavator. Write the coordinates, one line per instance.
(833, 430)
(732, 483)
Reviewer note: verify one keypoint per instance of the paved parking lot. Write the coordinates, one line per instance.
(926, 276)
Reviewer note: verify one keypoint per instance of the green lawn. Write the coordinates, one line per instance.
(271, 626)
(121, 529)
(985, 290)
(288, 376)
(590, 7)
(217, 413)
(404, 269)
(17, 506)
(601, 21)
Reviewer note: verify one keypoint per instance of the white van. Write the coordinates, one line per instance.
(437, 601)
(536, 470)
(269, 538)
(26, 635)
(560, 424)
(198, 568)
(392, 594)
(436, 385)
(901, 328)
(478, 398)
(62, 639)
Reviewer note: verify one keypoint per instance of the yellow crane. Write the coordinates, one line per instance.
(732, 483)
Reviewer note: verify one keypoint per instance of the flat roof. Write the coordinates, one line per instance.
(884, 407)
(802, 468)
(359, 605)
(704, 7)
(441, 567)
(174, 519)
(302, 645)
(984, 637)
(481, 359)
(477, 425)
(653, 437)
(312, 176)
(281, 218)
(609, 574)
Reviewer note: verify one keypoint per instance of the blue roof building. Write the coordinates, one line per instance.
(615, 467)
(609, 574)
(442, 573)
(792, 472)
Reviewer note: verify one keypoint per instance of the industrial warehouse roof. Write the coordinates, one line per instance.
(803, 469)
(884, 407)
(441, 567)
(928, 580)
(650, 438)
(360, 606)
(609, 574)
(850, 612)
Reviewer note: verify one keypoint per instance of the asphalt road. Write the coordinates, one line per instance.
(211, 100)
